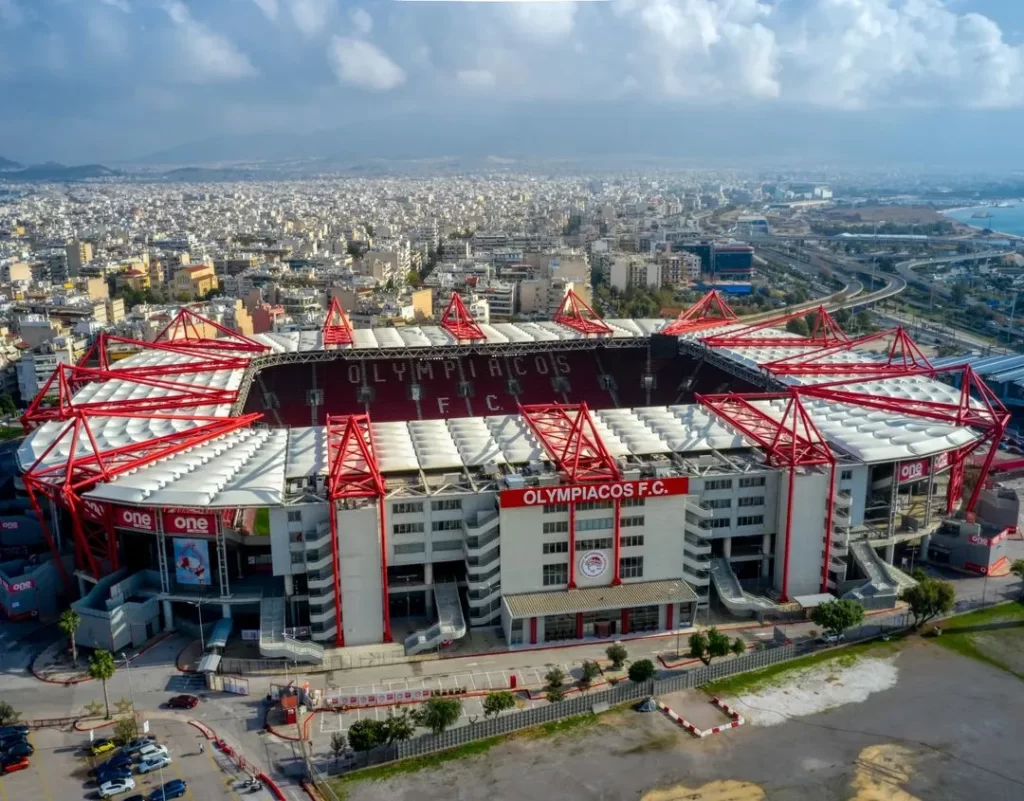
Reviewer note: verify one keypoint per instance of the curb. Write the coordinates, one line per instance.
(102, 725)
(736, 721)
(159, 638)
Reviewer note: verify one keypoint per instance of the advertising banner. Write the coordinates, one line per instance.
(191, 561)
(186, 522)
(94, 510)
(940, 462)
(17, 586)
(141, 519)
(334, 698)
(584, 493)
(907, 472)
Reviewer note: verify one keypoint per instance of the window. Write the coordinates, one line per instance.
(596, 524)
(409, 508)
(298, 558)
(446, 525)
(636, 520)
(594, 545)
(446, 545)
(633, 541)
(753, 500)
(631, 567)
(294, 516)
(718, 484)
(589, 506)
(407, 528)
(719, 522)
(556, 547)
(555, 508)
(846, 475)
(749, 520)
(629, 502)
(556, 574)
(409, 547)
(446, 505)
(645, 618)
(752, 481)
(720, 503)
(558, 527)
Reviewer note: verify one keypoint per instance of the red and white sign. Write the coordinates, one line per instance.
(141, 519)
(912, 471)
(181, 522)
(94, 510)
(585, 493)
(940, 462)
(593, 564)
(17, 586)
(10, 525)
(377, 699)
(978, 539)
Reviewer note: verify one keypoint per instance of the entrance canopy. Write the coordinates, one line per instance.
(596, 599)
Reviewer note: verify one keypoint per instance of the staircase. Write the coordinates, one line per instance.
(451, 625)
(275, 644)
(731, 593)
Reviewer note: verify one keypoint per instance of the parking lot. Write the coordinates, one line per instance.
(61, 764)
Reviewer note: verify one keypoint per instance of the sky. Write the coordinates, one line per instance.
(114, 80)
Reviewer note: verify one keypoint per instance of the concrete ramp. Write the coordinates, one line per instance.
(731, 593)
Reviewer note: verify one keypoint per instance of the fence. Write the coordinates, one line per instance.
(270, 667)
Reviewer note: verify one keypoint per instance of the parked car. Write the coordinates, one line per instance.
(105, 774)
(7, 740)
(832, 639)
(6, 730)
(154, 763)
(102, 745)
(116, 787)
(19, 750)
(173, 789)
(11, 765)
(183, 702)
(119, 760)
(153, 750)
(138, 744)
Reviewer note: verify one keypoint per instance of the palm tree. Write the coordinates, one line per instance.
(69, 622)
(102, 667)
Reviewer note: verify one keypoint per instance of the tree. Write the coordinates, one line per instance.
(589, 673)
(738, 647)
(8, 408)
(438, 714)
(1017, 568)
(412, 278)
(705, 646)
(958, 294)
(367, 734)
(69, 622)
(798, 326)
(101, 668)
(400, 727)
(617, 654)
(8, 714)
(126, 730)
(555, 678)
(497, 702)
(929, 598)
(642, 670)
(338, 745)
(555, 694)
(837, 616)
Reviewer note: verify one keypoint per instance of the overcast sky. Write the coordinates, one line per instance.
(109, 80)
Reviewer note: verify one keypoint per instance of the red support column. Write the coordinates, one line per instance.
(572, 546)
(625, 621)
(384, 570)
(533, 631)
(828, 527)
(669, 622)
(579, 625)
(339, 632)
(789, 531)
(108, 524)
(616, 579)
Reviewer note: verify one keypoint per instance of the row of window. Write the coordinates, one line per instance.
(749, 520)
(418, 528)
(626, 503)
(594, 545)
(420, 547)
(629, 567)
(753, 500)
(633, 541)
(415, 507)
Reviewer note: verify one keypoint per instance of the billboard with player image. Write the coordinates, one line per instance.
(191, 561)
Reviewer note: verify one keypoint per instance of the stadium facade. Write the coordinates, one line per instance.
(563, 480)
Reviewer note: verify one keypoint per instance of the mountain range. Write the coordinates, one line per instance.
(52, 171)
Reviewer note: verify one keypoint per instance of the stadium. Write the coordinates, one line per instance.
(556, 481)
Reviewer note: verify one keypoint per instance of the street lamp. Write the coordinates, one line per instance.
(202, 640)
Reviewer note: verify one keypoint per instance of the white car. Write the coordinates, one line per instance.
(116, 787)
(832, 639)
(152, 750)
(154, 763)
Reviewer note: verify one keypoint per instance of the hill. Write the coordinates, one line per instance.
(53, 171)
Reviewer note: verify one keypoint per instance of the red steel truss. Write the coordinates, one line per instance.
(708, 312)
(187, 329)
(903, 355)
(568, 434)
(458, 322)
(108, 349)
(87, 465)
(825, 331)
(337, 327)
(574, 313)
(352, 473)
(789, 441)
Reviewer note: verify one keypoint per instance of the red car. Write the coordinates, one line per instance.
(183, 702)
(12, 765)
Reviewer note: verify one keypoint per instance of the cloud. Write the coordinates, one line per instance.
(203, 55)
(543, 22)
(268, 7)
(120, 5)
(311, 15)
(11, 15)
(361, 21)
(363, 65)
(476, 80)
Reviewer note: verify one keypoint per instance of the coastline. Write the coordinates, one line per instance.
(973, 226)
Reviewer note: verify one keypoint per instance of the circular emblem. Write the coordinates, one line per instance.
(593, 564)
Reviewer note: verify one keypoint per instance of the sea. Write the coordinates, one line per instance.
(1005, 220)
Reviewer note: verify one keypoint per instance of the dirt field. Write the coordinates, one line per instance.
(948, 729)
(894, 214)
(995, 635)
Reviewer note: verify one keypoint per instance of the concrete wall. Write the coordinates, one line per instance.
(857, 484)
(311, 515)
(108, 621)
(522, 548)
(42, 599)
(807, 531)
(361, 587)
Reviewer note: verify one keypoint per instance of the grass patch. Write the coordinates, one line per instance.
(960, 634)
(6, 432)
(564, 725)
(261, 523)
(754, 680)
